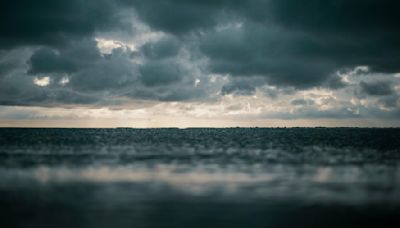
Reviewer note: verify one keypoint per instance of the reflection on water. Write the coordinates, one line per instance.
(199, 177)
(345, 185)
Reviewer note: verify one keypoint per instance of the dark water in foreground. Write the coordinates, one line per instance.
(341, 177)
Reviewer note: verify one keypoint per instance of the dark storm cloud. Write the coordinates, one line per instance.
(18, 89)
(179, 16)
(79, 74)
(392, 101)
(271, 46)
(160, 73)
(164, 48)
(7, 64)
(335, 82)
(255, 50)
(377, 88)
(357, 32)
(47, 22)
(238, 88)
(109, 73)
(68, 59)
(296, 43)
(242, 86)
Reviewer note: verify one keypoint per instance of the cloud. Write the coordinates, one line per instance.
(302, 102)
(18, 89)
(289, 42)
(160, 73)
(377, 88)
(79, 74)
(111, 53)
(240, 86)
(46, 22)
(178, 17)
(163, 48)
(255, 50)
(109, 72)
(391, 102)
(67, 59)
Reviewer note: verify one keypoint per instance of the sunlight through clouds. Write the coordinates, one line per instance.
(41, 81)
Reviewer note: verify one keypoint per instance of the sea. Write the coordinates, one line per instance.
(200, 177)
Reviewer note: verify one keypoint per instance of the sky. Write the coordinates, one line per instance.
(199, 63)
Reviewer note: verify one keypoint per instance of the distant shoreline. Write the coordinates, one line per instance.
(194, 128)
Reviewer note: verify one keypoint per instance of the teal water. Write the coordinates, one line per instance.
(252, 177)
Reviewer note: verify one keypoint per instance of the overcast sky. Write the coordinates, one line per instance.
(215, 63)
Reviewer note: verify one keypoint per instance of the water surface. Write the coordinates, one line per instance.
(254, 177)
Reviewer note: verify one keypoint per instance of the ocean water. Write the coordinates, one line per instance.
(236, 177)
